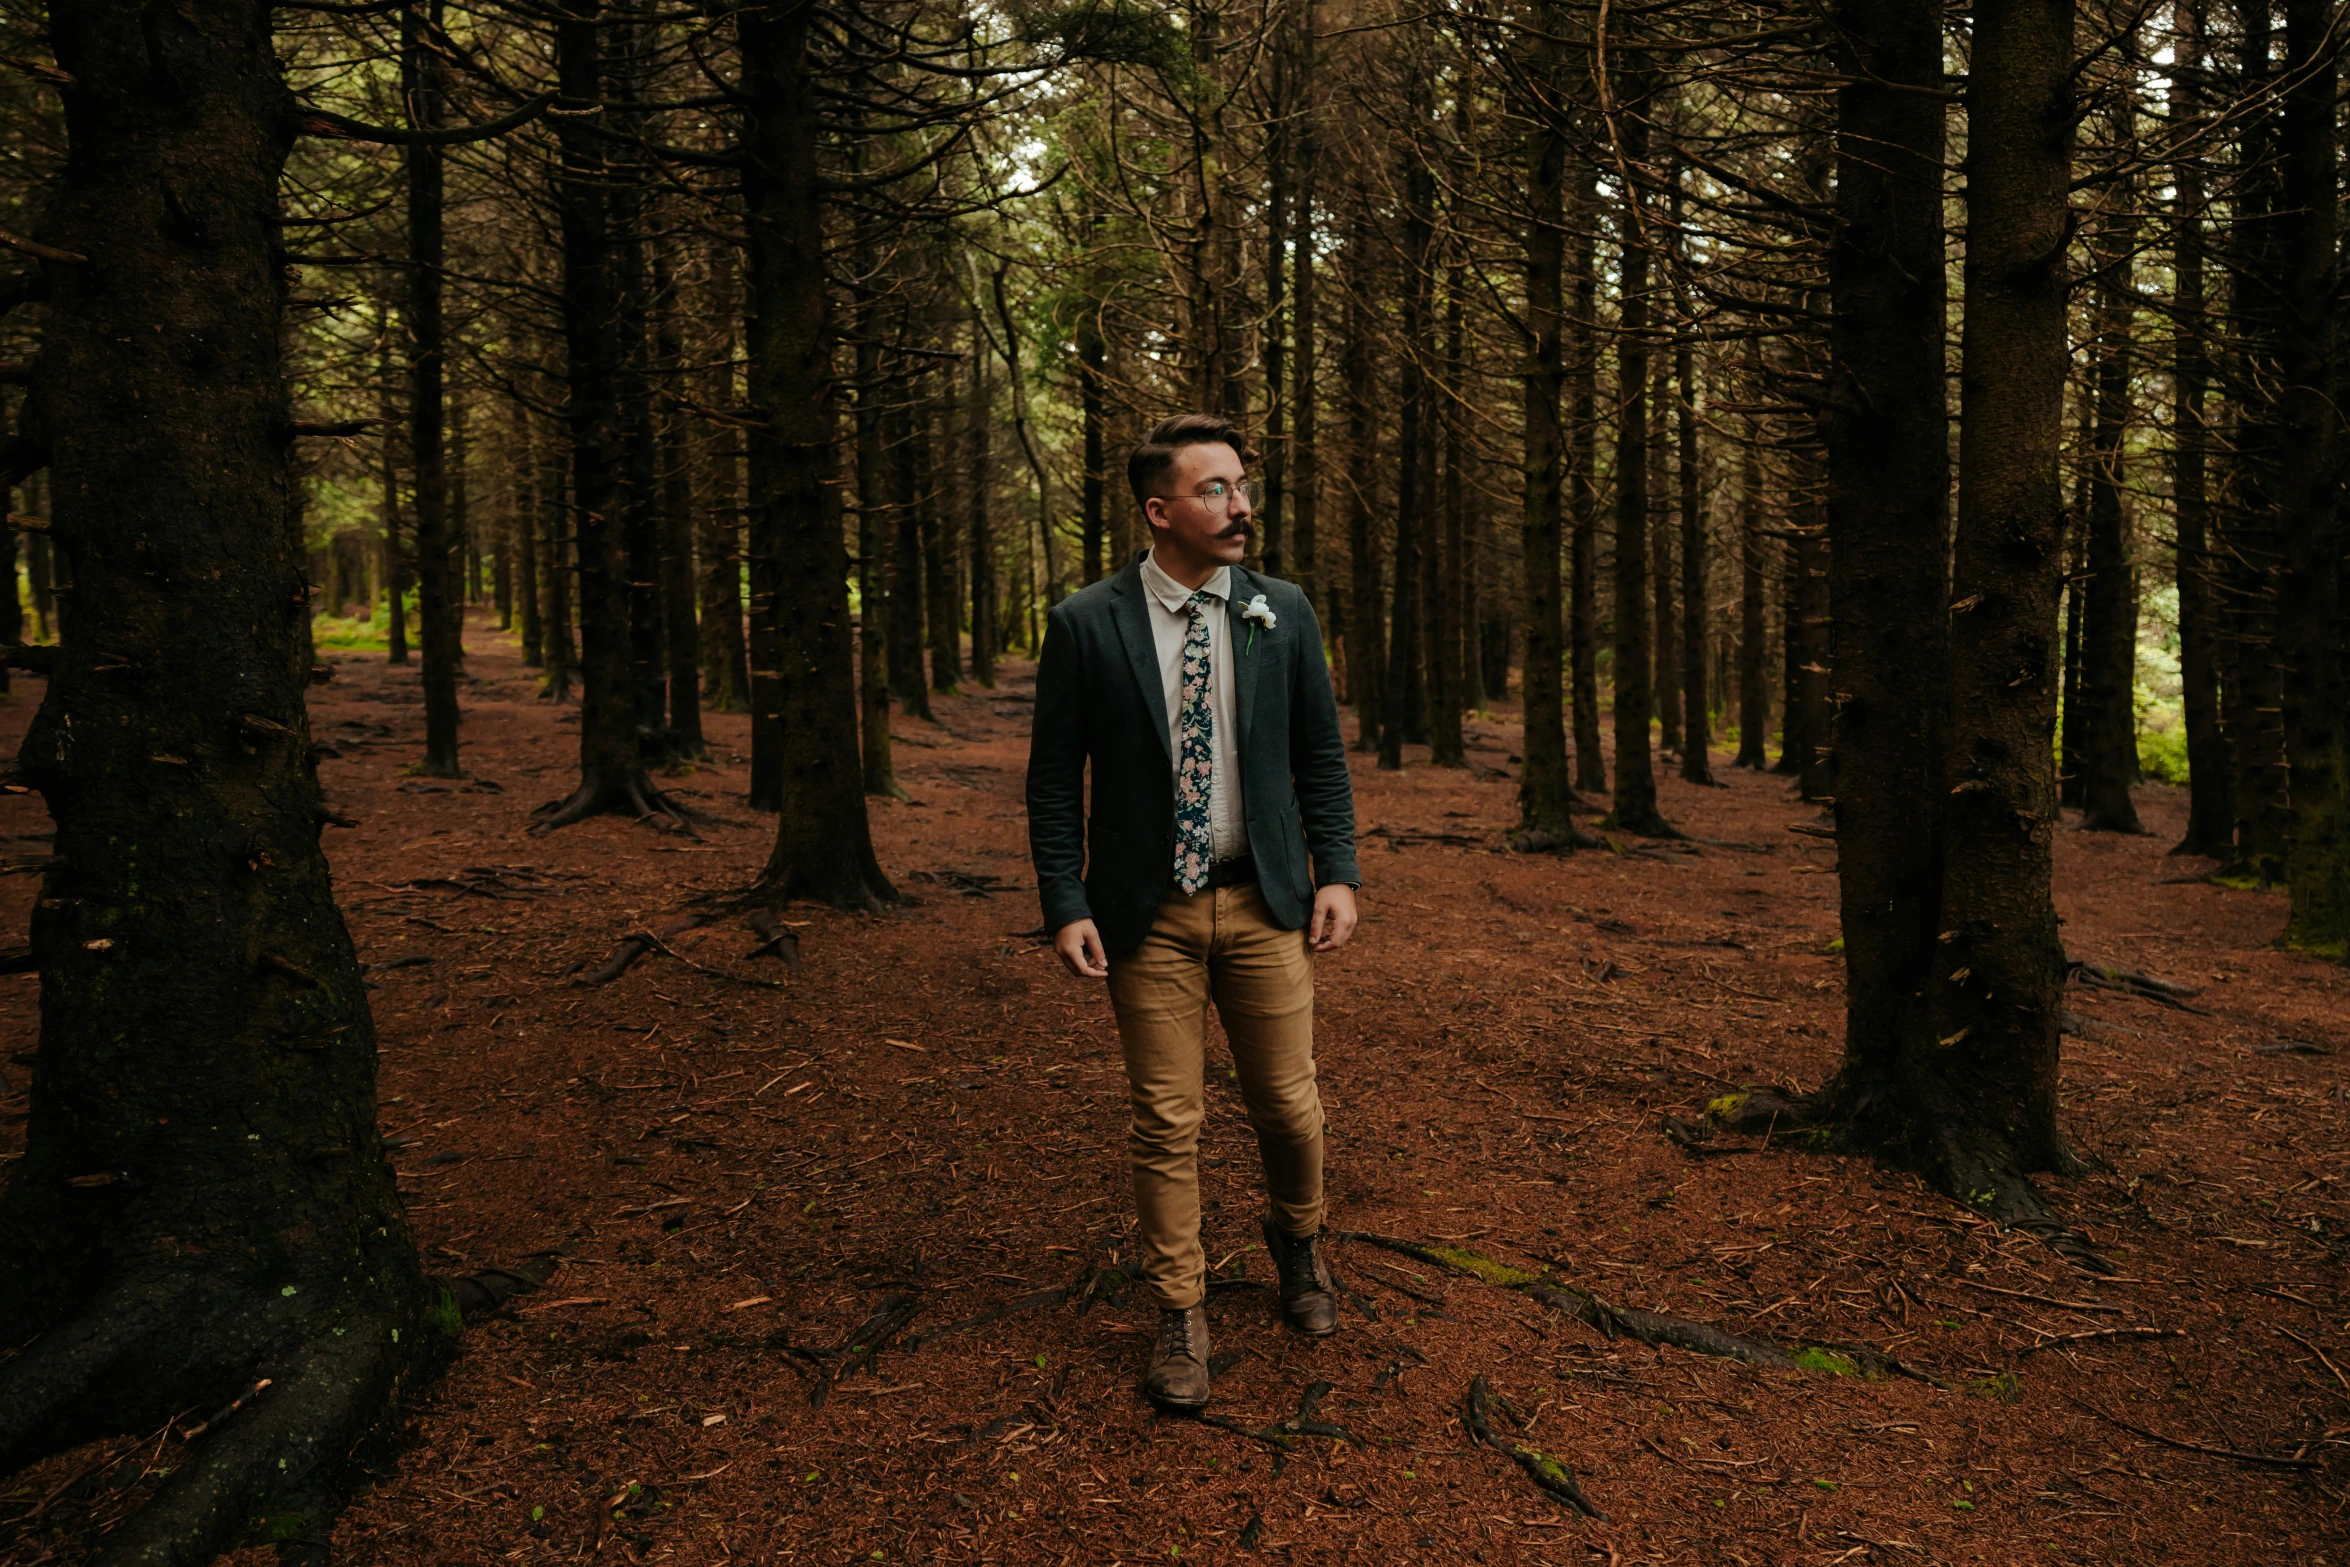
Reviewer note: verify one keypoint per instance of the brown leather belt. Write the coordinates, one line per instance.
(1239, 871)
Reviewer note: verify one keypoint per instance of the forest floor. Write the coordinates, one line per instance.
(929, 1117)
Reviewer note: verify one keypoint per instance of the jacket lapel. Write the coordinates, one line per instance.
(1130, 609)
(1245, 587)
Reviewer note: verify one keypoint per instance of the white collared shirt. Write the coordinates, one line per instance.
(1227, 810)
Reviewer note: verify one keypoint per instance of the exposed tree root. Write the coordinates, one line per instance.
(58, 1371)
(866, 1343)
(2264, 1460)
(1560, 837)
(634, 795)
(637, 943)
(1653, 1328)
(267, 1468)
(1960, 1162)
(1554, 1478)
(1282, 1435)
(488, 1290)
(2130, 982)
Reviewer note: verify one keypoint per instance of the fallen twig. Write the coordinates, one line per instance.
(2270, 1460)
(1552, 1477)
(2098, 1333)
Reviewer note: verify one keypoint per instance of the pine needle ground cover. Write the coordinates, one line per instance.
(841, 1251)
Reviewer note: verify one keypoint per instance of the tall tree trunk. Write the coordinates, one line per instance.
(1582, 438)
(1754, 688)
(2069, 778)
(203, 1199)
(612, 773)
(1815, 615)
(906, 433)
(823, 840)
(1634, 809)
(556, 643)
(942, 611)
(2211, 825)
(2109, 600)
(1366, 654)
(1794, 743)
(1305, 477)
(523, 529)
(2309, 592)
(1404, 705)
(1696, 727)
(726, 673)
(979, 522)
(2261, 262)
(1092, 488)
(1663, 535)
(681, 635)
(395, 567)
(1544, 793)
(874, 513)
(1971, 1094)
(1449, 604)
(1271, 542)
(1886, 433)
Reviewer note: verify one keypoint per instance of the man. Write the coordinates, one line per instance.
(1198, 692)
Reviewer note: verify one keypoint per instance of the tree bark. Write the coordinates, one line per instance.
(1696, 723)
(823, 841)
(2211, 825)
(979, 522)
(612, 773)
(1582, 439)
(726, 672)
(682, 635)
(203, 1192)
(561, 570)
(1305, 543)
(943, 596)
(1886, 432)
(523, 529)
(1544, 793)
(1366, 656)
(2108, 756)
(2309, 590)
(1664, 626)
(1754, 689)
(2260, 262)
(1973, 1093)
(1634, 809)
(394, 569)
(1449, 604)
(1403, 706)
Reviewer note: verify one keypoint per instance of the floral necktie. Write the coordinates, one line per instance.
(1195, 729)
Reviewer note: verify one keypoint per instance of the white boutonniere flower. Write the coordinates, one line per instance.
(1258, 613)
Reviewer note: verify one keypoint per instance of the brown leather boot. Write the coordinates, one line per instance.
(1307, 1300)
(1178, 1375)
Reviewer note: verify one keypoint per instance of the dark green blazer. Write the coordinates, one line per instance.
(1099, 700)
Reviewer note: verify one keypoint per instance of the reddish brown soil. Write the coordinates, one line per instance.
(931, 1107)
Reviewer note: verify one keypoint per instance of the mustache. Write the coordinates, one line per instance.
(1239, 530)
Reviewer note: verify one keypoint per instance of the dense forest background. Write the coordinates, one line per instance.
(1943, 406)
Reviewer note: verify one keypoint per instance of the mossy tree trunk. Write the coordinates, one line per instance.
(203, 1201)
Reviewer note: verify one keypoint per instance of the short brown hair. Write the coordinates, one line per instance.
(1148, 463)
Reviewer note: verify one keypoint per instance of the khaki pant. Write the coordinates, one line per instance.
(1217, 943)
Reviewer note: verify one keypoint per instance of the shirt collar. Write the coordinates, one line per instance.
(1173, 595)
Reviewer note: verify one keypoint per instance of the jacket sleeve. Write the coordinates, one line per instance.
(1317, 758)
(1056, 778)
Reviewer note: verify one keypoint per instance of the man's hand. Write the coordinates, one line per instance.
(1334, 918)
(1080, 945)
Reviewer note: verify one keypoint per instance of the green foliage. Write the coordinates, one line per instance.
(442, 1315)
(1110, 32)
(1813, 1358)
(2004, 1387)
(1486, 1268)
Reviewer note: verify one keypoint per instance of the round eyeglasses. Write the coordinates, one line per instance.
(1216, 495)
